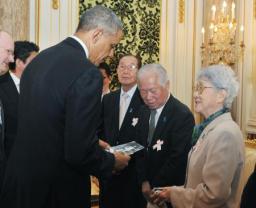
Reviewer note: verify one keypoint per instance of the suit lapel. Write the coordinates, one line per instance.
(9, 88)
(162, 121)
(116, 100)
(135, 101)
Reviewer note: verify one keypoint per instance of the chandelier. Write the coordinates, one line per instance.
(221, 47)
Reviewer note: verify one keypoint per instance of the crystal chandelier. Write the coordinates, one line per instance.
(221, 47)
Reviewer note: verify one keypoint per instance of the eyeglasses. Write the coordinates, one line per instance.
(129, 67)
(200, 88)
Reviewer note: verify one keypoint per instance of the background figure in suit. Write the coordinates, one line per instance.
(248, 199)
(6, 56)
(119, 122)
(6, 51)
(24, 52)
(56, 148)
(165, 127)
(106, 75)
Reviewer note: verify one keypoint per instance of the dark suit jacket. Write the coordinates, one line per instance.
(174, 128)
(120, 190)
(248, 199)
(56, 148)
(10, 98)
(2, 152)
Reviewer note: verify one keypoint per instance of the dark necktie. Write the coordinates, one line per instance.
(151, 128)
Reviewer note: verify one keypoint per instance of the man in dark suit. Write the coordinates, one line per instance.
(56, 148)
(24, 52)
(6, 56)
(248, 199)
(119, 122)
(6, 51)
(165, 127)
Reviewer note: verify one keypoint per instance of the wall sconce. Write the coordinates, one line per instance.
(55, 4)
(220, 47)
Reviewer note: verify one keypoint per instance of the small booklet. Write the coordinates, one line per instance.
(128, 148)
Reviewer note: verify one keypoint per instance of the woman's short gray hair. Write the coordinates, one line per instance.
(221, 77)
(157, 69)
(100, 17)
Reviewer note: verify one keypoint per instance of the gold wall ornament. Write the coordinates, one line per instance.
(251, 140)
(254, 5)
(55, 4)
(181, 10)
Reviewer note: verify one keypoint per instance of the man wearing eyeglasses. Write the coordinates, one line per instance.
(6, 56)
(120, 117)
(24, 52)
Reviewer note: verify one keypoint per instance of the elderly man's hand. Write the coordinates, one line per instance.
(146, 191)
(121, 160)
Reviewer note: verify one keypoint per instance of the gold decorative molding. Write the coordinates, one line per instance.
(181, 10)
(251, 140)
(254, 8)
(250, 143)
(55, 4)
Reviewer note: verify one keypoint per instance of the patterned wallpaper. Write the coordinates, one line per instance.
(141, 19)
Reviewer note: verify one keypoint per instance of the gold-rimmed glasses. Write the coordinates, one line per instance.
(129, 67)
(200, 88)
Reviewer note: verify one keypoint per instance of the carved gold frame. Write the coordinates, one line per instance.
(181, 10)
(55, 4)
(254, 8)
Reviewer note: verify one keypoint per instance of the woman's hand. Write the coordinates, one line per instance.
(161, 196)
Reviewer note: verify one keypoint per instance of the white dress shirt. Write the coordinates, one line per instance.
(82, 44)
(159, 111)
(16, 81)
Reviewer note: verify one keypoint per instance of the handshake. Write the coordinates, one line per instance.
(121, 159)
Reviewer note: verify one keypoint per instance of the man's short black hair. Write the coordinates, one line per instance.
(22, 50)
(105, 66)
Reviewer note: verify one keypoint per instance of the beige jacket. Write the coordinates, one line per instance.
(214, 168)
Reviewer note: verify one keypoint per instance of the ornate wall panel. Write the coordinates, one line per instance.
(141, 21)
(52, 21)
(14, 18)
(180, 44)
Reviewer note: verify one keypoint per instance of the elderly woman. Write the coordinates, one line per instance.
(216, 160)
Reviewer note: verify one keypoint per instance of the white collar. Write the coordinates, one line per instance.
(82, 44)
(16, 80)
(159, 110)
(130, 92)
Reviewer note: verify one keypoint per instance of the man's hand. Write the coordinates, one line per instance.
(146, 190)
(103, 144)
(121, 160)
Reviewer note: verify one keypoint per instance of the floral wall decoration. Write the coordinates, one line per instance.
(141, 20)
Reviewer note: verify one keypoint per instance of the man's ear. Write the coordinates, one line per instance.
(96, 35)
(19, 63)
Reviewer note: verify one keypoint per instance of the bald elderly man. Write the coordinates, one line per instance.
(6, 56)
